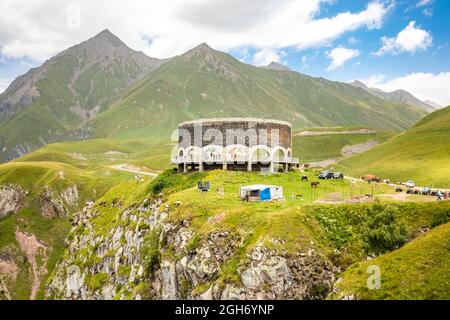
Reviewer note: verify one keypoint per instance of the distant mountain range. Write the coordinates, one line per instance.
(102, 88)
(400, 96)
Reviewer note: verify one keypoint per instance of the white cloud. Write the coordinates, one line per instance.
(425, 86)
(39, 29)
(427, 12)
(352, 40)
(409, 39)
(422, 3)
(373, 80)
(339, 56)
(266, 56)
(304, 59)
(4, 83)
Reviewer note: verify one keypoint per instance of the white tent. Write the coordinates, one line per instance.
(261, 192)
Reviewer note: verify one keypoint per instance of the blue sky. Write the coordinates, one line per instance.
(434, 59)
(390, 44)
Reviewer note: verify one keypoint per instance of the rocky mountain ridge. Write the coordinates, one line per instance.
(401, 96)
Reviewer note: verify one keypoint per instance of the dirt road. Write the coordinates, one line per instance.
(133, 169)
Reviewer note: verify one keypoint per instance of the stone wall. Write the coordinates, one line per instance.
(249, 132)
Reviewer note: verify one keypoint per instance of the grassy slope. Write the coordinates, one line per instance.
(422, 154)
(102, 153)
(419, 270)
(324, 147)
(204, 83)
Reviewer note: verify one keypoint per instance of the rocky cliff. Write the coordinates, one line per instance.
(139, 253)
(32, 230)
(11, 199)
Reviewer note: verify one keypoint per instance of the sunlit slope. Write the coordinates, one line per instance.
(422, 154)
(419, 270)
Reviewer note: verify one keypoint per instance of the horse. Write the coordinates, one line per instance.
(315, 184)
(304, 178)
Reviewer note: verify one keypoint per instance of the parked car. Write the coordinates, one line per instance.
(338, 175)
(326, 175)
(410, 184)
(426, 191)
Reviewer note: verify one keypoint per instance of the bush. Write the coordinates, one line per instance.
(97, 281)
(193, 243)
(381, 232)
(170, 181)
(150, 251)
(440, 217)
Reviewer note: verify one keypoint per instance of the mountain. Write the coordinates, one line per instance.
(205, 83)
(433, 104)
(54, 101)
(278, 66)
(400, 96)
(421, 153)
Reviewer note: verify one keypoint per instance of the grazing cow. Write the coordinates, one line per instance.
(304, 178)
(306, 165)
(315, 184)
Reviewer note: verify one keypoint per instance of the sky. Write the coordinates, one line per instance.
(388, 44)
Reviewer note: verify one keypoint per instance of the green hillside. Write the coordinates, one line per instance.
(204, 83)
(422, 154)
(99, 153)
(315, 148)
(417, 271)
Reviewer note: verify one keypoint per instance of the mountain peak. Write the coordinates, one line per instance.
(203, 50)
(359, 84)
(202, 47)
(278, 66)
(108, 36)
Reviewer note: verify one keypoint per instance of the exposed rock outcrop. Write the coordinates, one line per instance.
(70, 195)
(12, 199)
(107, 261)
(52, 206)
(37, 255)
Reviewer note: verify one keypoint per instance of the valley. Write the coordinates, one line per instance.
(91, 207)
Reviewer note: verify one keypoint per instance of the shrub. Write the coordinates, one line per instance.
(150, 251)
(97, 281)
(440, 217)
(193, 243)
(381, 232)
(170, 181)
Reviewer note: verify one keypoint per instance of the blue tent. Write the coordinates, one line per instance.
(264, 194)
